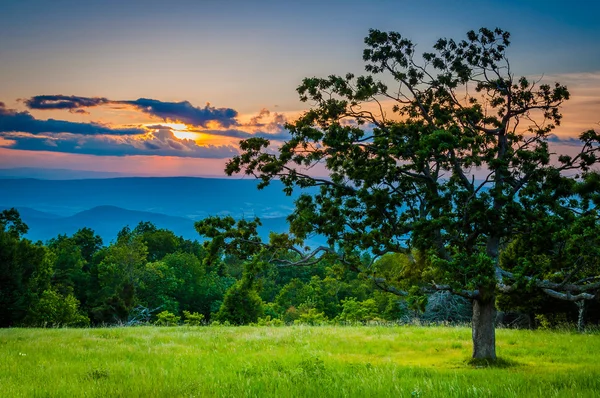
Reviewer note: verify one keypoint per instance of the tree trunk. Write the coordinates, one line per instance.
(581, 316)
(484, 329)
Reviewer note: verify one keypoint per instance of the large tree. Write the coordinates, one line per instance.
(445, 154)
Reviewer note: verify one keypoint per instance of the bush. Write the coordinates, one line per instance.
(52, 309)
(241, 305)
(166, 318)
(268, 321)
(193, 318)
(308, 315)
(358, 311)
(291, 315)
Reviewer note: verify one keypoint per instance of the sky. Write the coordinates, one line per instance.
(169, 88)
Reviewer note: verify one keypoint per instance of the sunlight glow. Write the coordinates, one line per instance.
(180, 130)
(186, 135)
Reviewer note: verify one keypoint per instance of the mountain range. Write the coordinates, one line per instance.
(52, 207)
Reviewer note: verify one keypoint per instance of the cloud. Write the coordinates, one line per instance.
(264, 112)
(22, 131)
(183, 112)
(570, 141)
(159, 143)
(72, 103)
(14, 121)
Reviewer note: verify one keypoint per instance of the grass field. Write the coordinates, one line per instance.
(294, 361)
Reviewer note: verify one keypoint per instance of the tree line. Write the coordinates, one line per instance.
(148, 275)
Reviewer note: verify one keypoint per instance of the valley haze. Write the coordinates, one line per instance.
(52, 207)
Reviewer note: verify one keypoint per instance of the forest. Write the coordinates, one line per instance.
(149, 276)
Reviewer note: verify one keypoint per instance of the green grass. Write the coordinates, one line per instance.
(294, 361)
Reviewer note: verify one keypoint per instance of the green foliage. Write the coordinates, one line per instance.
(193, 318)
(157, 286)
(410, 178)
(69, 276)
(358, 311)
(309, 315)
(241, 305)
(268, 321)
(416, 300)
(553, 321)
(159, 242)
(118, 276)
(166, 318)
(88, 243)
(53, 309)
(25, 269)
(291, 315)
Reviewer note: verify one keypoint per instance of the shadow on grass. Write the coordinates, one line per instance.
(498, 363)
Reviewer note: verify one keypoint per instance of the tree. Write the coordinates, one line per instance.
(53, 309)
(118, 278)
(68, 275)
(159, 242)
(241, 305)
(451, 162)
(562, 252)
(89, 244)
(24, 269)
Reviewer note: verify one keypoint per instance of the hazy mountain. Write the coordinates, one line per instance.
(27, 212)
(55, 174)
(107, 221)
(188, 197)
(52, 207)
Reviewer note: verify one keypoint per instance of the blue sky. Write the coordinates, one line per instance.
(246, 56)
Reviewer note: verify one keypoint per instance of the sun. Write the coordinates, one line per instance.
(190, 135)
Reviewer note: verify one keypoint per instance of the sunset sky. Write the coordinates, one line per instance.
(169, 88)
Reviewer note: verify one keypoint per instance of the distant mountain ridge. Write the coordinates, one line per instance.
(52, 207)
(56, 174)
(188, 197)
(107, 221)
(44, 173)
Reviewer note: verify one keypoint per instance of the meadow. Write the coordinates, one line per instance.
(294, 361)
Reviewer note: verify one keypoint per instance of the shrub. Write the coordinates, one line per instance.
(166, 318)
(358, 311)
(241, 305)
(291, 314)
(308, 315)
(52, 309)
(268, 321)
(193, 318)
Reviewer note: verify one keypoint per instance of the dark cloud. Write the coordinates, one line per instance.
(69, 102)
(573, 141)
(14, 121)
(262, 114)
(183, 112)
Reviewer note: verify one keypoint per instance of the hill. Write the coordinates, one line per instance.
(107, 221)
(188, 197)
